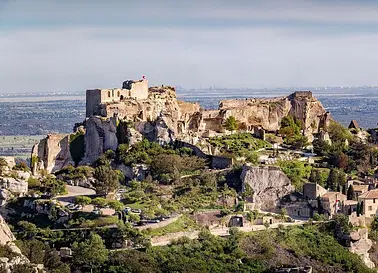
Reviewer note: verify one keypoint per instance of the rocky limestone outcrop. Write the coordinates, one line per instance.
(14, 185)
(360, 244)
(52, 210)
(100, 136)
(269, 185)
(162, 118)
(51, 153)
(7, 238)
(268, 113)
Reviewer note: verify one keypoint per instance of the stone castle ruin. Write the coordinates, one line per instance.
(156, 114)
(130, 89)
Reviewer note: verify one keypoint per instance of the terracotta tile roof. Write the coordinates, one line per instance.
(370, 194)
(361, 188)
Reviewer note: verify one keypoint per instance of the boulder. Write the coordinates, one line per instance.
(269, 185)
(14, 185)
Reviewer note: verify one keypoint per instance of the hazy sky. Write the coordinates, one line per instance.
(73, 45)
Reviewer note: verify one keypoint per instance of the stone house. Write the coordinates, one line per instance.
(360, 189)
(370, 202)
(350, 206)
(313, 191)
(301, 209)
(332, 202)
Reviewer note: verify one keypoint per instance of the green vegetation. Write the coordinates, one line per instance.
(184, 223)
(21, 166)
(291, 131)
(170, 167)
(92, 253)
(78, 173)
(231, 123)
(239, 145)
(319, 175)
(77, 146)
(107, 179)
(82, 200)
(297, 171)
(48, 184)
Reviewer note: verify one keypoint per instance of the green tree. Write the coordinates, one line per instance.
(321, 147)
(350, 193)
(116, 205)
(99, 201)
(91, 253)
(332, 180)
(33, 249)
(27, 230)
(82, 200)
(23, 268)
(106, 179)
(53, 263)
(337, 132)
(231, 123)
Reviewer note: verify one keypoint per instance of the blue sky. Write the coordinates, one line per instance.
(55, 45)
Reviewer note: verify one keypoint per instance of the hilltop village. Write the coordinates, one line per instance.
(147, 176)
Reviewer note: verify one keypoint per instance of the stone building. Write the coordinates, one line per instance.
(313, 190)
(370, 202)
(130, 90)
(360, 189)
(332, 202)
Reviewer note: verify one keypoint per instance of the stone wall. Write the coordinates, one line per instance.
(136, 90)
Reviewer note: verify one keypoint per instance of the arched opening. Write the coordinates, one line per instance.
(121, 98)
(108, 94)
(118, 94)
(112, 93)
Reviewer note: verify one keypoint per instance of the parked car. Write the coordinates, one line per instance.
(136, 210)
(121, 191)
(77, 207)
(153, 221)
(70, 206)
(97, 212)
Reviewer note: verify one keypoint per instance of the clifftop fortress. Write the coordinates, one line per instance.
(125, 115)
(130, 89)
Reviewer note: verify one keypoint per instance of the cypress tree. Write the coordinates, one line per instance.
(350, 193)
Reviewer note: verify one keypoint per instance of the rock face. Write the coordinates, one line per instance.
(6, 234)
(361, 244)
(15, 186)
(51, 153)
(269, 185)
(162, 118)
(7, 238)
(184, 118)
(268, 113)
(100, 136)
